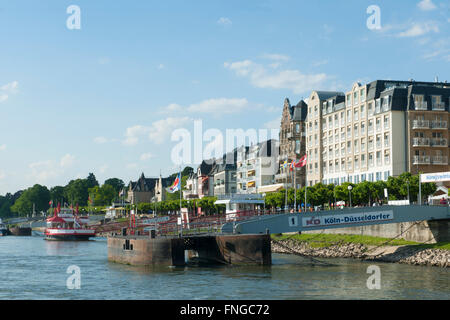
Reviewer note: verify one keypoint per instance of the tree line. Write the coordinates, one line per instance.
(83, 192)
(362, 194)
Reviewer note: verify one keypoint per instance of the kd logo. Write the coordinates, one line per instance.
(374, 21)
(74, 281)
(374, 281)
(73, 21)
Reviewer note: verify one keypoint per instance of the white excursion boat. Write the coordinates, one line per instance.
(66, 225)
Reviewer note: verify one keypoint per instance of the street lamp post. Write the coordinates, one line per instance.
(407, 184)
(350, 194)
(264, 197)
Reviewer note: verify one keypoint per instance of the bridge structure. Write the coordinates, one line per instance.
(339, 218)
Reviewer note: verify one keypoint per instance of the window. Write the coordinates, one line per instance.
(370, 109)
(386, 122)
(355, 115)
(363, 110)
(378, 176)
(356, 146)
(386, 140)
(297, 128)
(297, 146)
(362, 94)
(355, 97)
(355, 130)
(349, 116)
(387, 159)
(349, 100)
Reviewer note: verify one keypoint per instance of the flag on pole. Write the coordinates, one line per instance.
(292, 165)
(302, 162)
(121, 193)
(176, 185)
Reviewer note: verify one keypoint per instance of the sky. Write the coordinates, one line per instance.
(107, 94)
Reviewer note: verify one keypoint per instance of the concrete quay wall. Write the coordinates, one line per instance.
(423, 231)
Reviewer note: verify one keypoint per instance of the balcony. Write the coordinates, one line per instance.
(421, 105)
(438, 106)
(421, 142)
(421, 124)
(439, 160)
(421, 160)
(439, 125)
(439, 142)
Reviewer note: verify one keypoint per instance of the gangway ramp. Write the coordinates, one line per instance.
(340, 218)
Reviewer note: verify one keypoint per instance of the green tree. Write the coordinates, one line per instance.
(77, 192)
(103, 195)
(57, 195)
(116, 183)
(37, 195)
(91, 181)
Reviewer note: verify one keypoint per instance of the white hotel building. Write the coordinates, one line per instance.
(360, 135)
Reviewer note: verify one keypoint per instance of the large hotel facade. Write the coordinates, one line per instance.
(377, 130)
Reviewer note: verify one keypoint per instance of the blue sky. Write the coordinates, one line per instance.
(106, 98)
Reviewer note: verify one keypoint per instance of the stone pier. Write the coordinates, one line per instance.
(170, 251)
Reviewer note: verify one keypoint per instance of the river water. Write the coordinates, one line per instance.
(32, 268)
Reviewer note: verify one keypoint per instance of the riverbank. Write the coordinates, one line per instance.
(364, 248)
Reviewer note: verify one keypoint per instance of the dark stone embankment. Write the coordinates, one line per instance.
(408, 254)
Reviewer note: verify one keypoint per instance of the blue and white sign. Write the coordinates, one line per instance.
(347, 218)
(435, 177)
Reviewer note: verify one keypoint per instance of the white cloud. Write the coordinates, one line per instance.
(276, 57)
(100, 140)
(132, 134)
(43, 171)
(293, 80)
(419, 29)
(8, 89)
(157, 132)
(2, 147)
(219, 106)
(426, 5)
(273, 124)
(67, 161)
(146, 156)
(161, 66)
(320, 63)
(224, 21)
(161, 129)
(2, 175)
(11, 87)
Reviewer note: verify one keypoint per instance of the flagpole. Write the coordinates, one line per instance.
(181, 214)
(295, 190)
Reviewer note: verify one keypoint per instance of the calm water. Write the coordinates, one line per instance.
(31, 268)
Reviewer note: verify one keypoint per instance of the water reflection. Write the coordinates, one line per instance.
(289, 277)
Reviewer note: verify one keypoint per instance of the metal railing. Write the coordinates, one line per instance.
(421, 124)
(421, 142)
(421, 160)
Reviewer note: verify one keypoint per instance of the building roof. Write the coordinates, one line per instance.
(325, 95)
(300, 111)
